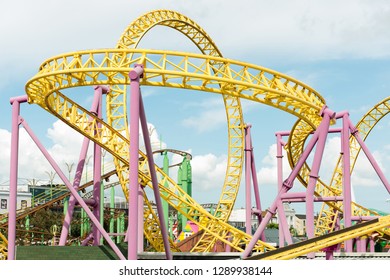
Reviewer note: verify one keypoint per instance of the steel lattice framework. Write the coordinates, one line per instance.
(207, 72)
(170, 69)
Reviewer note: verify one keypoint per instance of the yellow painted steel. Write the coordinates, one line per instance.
(330, 211)
(170, 69)
(314, 246)
(328, 215)
(3, 247)
(204, 72)
(116, 112)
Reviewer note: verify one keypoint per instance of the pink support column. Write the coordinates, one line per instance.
(256, 189)
(140, 219)
(369, 156)
(72, 200)
(149, 154)
(74, 192)
(250, 173)
(327, 115)
(279, 159)
(283, 225)
(347, 208)
(248, 202)
(286, 186)
(97, 170)
(372, 244)
(13, 188)
(132, 232)
(99, 90)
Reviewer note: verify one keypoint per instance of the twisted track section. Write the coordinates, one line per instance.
(330, 210)
(116, 112)
(328, 215)
(170, 69)
(317, 243)
(3, 247)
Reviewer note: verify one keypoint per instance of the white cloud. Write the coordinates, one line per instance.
(300, 30)
(211, 114)
(267, 174)
(208, 171)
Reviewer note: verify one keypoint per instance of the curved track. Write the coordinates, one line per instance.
(330, 210)
(207, 72)
(116, 111)
(171, 69)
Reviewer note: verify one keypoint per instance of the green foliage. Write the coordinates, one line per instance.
(273, 225)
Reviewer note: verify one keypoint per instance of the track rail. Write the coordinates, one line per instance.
(163, 68)
(317, 243)
(330, 210)
(116, 110)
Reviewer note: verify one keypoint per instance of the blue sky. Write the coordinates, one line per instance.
(341, 49)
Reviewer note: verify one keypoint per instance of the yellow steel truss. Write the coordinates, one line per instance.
(336, 237)
(170, 69)
(116, 112)
(3, 247)
(330, 210)
(205, 72)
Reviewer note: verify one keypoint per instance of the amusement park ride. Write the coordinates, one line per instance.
(108, 71)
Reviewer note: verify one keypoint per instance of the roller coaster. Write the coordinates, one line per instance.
(110, 71)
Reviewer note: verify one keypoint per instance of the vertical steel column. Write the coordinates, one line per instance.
(286, 186)
(73, 191)
(372, 244)
(248, 202)
(283, 224)
(79, 170)
(327, 115)
(347, 195)
(140, 197)
(132, 232)
(97, 171)
(152, 170)
(369, 156)
(256, 187)
(13, 188)
(279, 159)
(165, 203)
(112, 213)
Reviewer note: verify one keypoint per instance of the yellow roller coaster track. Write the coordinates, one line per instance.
(328, 215)
(330, 210)
(317, 243)
(3, 247)
(116, 114)
(169, 69)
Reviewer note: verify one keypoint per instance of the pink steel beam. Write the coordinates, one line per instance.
(97, 170)
(152, 170)
(132, 233)
(283, 225)
(313, 176)
(287, 184)
(96, 103)
(248, 165)
(370, 157)
(279, 159)
(140, 219)
(72, 200)
(256, 188)
(250, 174)
(347, 194)
(74, 192)
(13, 189)
(137, 113)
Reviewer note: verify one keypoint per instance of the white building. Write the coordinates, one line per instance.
(237, 219)
(23, 200)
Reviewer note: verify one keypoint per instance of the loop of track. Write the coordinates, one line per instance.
(164, 68)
